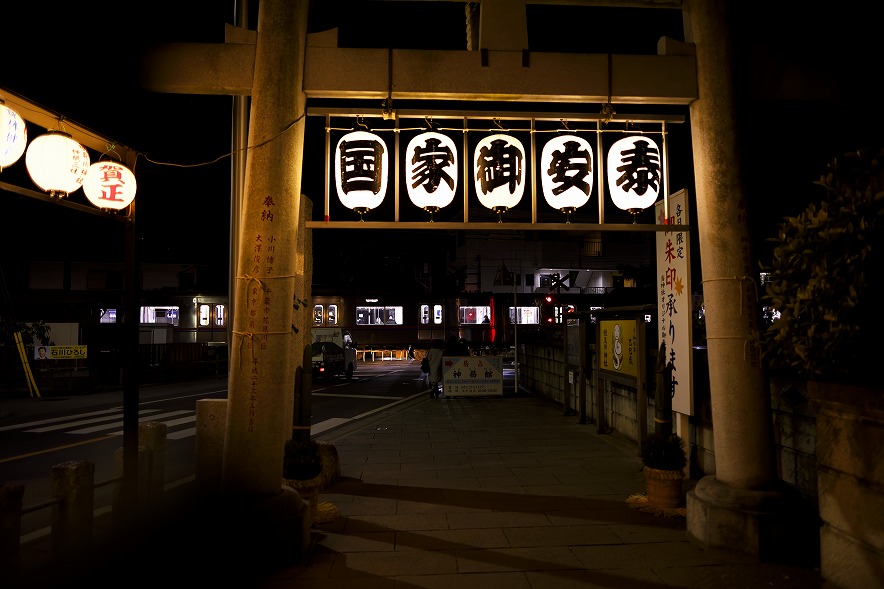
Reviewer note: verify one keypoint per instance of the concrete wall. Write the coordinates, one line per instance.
(542, 373)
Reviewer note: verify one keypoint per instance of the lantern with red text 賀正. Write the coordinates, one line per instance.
(634, 173)
(566, 173)
(499, 164)
(431, 162)
(57, 163)
(13, 136)
(110, 185)
(361, 171)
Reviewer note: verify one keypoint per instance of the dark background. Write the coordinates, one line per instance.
(806, 77)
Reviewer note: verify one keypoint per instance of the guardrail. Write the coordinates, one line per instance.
(371, 353)
(73, 486)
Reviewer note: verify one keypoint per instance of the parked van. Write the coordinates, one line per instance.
(334, 352)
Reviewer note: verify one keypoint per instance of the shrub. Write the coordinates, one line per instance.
(301, 460)
(664, 452)
(826, 278)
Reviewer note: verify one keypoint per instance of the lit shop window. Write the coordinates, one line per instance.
(378, 315)
(108, 316)
(524, 315)
(317, 314)
(204, 315)
(161, 315)
(437, 314)
(332, 314)
(471, 315)
(220, 315)
(425, 314)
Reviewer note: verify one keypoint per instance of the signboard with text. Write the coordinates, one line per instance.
(618, 339)
(60, 353)
(674, 299)
(472, 376)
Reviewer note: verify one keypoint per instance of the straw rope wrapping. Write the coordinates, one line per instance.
(250, 335)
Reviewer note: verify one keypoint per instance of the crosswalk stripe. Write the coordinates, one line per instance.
(51, 428)
(55, 420)
(119, 424)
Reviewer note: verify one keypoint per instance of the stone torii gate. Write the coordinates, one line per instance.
(280, 67)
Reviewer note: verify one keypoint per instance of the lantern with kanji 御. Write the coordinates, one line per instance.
(110, 185)
(361, 171)
(13, 136)
(57, 163)
(566, 173)
(634, 172)
(499, 164)
(431, 160)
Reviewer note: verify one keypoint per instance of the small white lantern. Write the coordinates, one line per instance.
(361, 171)
(566, 173)
(110, 185)
(499, 162)
(57, 163)
(13, 136)
(634, 173)
(431, 171)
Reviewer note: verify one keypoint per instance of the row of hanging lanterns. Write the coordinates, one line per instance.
(59, 165)
(566, 171)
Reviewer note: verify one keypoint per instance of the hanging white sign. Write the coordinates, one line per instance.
(431, 170)
(361, 170)
(499, 164)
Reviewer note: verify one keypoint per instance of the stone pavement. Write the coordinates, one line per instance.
(503, 493)
(460, 493)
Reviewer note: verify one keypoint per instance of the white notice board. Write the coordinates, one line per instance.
(472, 376)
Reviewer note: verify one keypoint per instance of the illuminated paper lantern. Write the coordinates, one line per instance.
(110, 185)
(499, 162)
(566, 172)
(57, 163)
(361, 171)
(431, 171)
(13, 136)
(634, 173)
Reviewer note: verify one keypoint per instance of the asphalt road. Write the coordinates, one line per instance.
(39, 433)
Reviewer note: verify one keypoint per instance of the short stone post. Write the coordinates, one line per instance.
(211, 416)
(152, 437)
(73, 485)
(11, 495)
(118, 508)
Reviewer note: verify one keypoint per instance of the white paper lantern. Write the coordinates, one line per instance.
(13, 136)
(57, 163)
(110, 185)
(634, 173)
(499, 164)
(566, 172)
(431, 170)
(361, 171)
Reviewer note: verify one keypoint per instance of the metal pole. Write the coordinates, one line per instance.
(129, 487)
(239, 140)
(515, 336)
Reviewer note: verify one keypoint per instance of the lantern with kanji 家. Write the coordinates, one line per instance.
(431, 161)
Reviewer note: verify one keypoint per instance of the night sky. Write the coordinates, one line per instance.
(83, 64)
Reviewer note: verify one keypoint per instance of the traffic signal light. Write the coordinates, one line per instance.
(549, 309)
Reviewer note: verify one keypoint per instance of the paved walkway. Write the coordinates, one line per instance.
(466, 493)
(502, 493)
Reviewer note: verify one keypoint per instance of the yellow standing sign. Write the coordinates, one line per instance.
(29, 374)
(619, 346)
